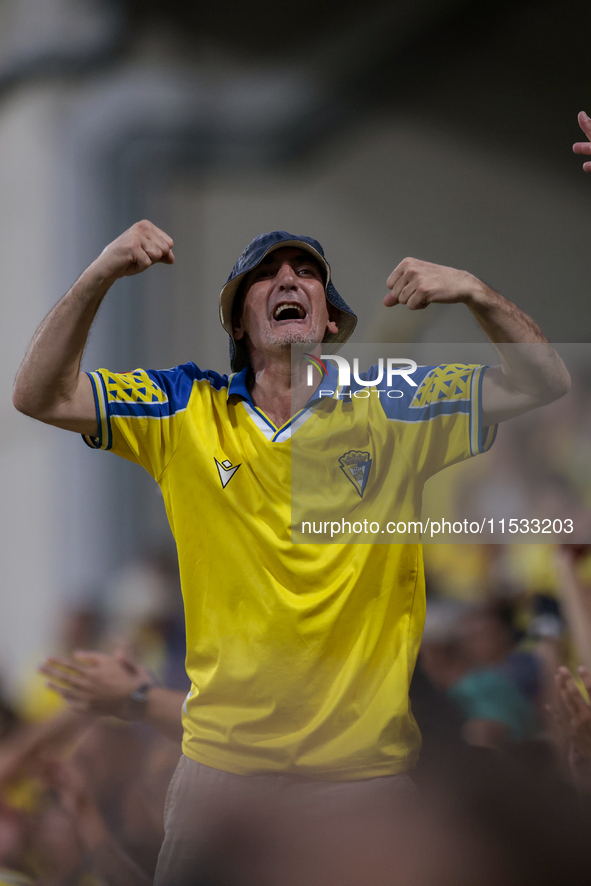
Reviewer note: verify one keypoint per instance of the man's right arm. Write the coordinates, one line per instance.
(49, 385)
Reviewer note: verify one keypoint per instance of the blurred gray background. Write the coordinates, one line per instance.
(440, 129)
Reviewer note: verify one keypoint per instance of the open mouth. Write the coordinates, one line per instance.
(289, 311)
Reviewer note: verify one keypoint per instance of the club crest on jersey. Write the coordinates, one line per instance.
(226, 470)
(355, 465)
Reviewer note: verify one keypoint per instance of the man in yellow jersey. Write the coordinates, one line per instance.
(300, 656)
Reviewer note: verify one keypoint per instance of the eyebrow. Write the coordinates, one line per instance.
(301, 256)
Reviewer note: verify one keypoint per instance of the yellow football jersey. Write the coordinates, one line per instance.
(300, 655)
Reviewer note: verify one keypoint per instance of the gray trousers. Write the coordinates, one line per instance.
(222, 828)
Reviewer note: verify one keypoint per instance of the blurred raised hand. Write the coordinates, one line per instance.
(96, 682)
(584, 147)
(571, 712)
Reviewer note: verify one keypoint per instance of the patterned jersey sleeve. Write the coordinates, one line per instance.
(440, 419)
(140, 413)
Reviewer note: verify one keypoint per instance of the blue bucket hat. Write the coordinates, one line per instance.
(250, 258)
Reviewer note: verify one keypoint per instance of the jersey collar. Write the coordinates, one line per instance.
(237, 385)
(328, 387)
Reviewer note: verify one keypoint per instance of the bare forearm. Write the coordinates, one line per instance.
(49, 385)
(49, 374)
(29, 741)
(531, 373)
(501, 319)
(98, 683)
(164, 711)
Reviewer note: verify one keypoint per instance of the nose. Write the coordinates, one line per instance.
(286, 276)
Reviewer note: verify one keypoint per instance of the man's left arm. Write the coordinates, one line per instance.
(530, 374)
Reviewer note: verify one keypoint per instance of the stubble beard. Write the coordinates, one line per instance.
(291, 338)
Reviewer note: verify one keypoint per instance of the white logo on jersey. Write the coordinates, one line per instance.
(226, 470)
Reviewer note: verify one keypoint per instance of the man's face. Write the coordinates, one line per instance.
(285, 302)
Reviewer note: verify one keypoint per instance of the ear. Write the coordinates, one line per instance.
(238, 329)
(333, 316)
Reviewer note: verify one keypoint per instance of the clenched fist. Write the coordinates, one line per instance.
(416, 284)
(134, 251)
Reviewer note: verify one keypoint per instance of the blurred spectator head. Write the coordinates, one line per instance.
(82, 627)
(487, 633)
(442, 657)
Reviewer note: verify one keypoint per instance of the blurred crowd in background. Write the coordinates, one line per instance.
(53, 759)
(500, 693)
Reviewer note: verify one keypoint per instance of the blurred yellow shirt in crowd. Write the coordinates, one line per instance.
(36, 703)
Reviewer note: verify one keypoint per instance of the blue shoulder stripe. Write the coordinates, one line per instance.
(144, 394)
(178, 382)
(104, 440)
(438, 390)
(170, 393)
